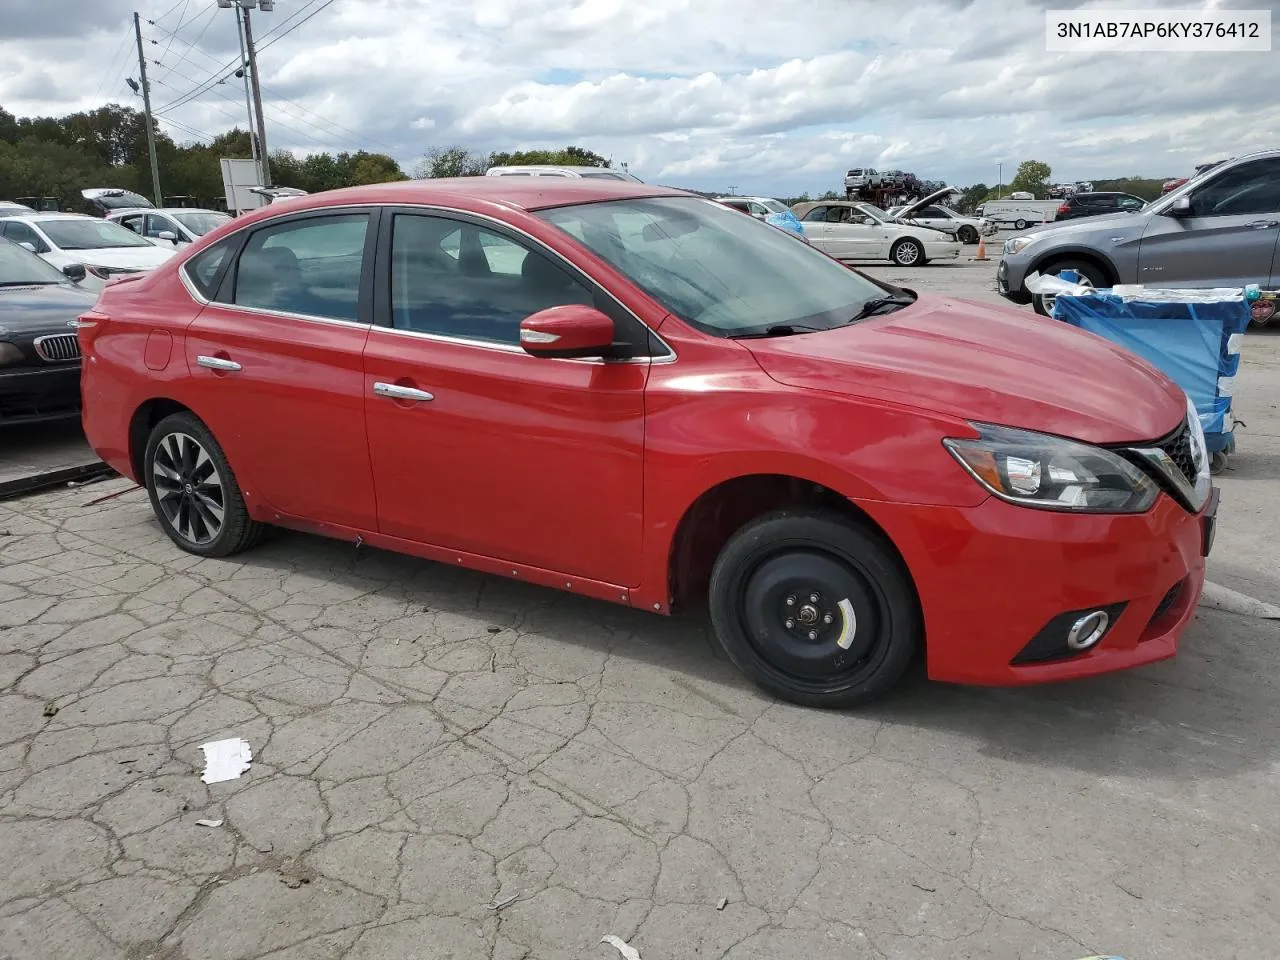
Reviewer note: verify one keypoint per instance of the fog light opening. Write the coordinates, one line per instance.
(1088, 630)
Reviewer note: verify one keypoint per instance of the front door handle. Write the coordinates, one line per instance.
(1263, 224)
(217, 363)
(397, 392)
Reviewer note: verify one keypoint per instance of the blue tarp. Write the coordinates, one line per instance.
(1195, 344)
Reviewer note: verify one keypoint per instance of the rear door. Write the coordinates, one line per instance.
(277, 369)
(1228, 238)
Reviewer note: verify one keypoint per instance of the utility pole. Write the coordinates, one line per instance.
(146, 105)
(248, 101)
(257, 95)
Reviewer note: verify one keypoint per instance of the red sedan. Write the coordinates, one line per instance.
(639, 395)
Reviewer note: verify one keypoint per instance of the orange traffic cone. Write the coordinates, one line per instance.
(982, 249)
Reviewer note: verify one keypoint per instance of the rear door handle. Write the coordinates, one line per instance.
(396, 392)
(217, 363)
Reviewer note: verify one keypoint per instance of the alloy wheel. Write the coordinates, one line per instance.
(907, 254)
(188, 488)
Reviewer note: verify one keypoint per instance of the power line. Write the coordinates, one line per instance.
(111, 66)
(274, 35)
(181, 17)
(169, 11)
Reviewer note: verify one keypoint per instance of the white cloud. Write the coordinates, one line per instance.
(773, 98)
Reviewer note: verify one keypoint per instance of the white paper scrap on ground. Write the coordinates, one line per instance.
(628, 952)
(208, 823)
(225, 759)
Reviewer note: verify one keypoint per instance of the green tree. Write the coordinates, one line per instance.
(1032, 177)
(973, 196)
(454, 161)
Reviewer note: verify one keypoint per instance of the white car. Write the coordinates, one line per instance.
(860, 178)
(105, 249)
(171, 226)
(848, 230)
(931, 212)
(549, 170)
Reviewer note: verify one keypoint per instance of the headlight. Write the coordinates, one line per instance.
(1016, 244)
(9, 353)
(102, 273)
(1199, 451)
(1051, 473)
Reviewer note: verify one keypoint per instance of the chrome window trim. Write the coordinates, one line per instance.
(194, 293)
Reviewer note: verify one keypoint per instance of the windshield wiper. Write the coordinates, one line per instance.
(876, 304)
(780, 330)
(28, 283)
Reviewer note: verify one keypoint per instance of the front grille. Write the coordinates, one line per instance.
(1178, 447)
(58, 348)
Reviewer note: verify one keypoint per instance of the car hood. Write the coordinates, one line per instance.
(129, 258)
(935, 197)
(986, 363)
(1085, 225)
(36, 309)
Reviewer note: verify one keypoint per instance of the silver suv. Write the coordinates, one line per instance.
(1219, 229)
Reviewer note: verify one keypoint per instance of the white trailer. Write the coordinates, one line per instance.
(1019, 214)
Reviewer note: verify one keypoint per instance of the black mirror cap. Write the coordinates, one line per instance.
(74, 272)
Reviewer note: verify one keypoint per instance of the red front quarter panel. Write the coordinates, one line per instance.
(714, 415)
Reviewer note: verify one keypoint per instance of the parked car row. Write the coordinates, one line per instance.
(639, 395)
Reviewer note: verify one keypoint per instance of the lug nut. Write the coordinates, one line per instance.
(828, 618)
(814, 598)
(813, 634)
(791, 601)
(789, 624)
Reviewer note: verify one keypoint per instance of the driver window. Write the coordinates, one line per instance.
(816, 215)
(757, 210)
(1250, 188)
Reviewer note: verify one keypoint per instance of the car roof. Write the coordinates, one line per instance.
(49, 215)
(474, 194)
(129, 211)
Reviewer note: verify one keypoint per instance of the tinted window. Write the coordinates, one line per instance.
(936, 213)
(1247, 189)
(816, 215)
(310, 267)
(90, 234)
(204, 269)
(22, 233)
(457, 279)
(705, 263)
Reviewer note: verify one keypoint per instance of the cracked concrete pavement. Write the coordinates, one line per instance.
(430, 743)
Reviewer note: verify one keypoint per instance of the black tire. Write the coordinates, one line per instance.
(1020, 224)
(1085, 269)
(189, 480)
(967, 234)
(1218, 462)
(907, 252)
(779, 562)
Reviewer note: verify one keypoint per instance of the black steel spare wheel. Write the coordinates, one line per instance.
(193, 490)
(815, 610)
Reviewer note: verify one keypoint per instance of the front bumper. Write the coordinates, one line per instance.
(30, 395)
(993, 577)
(1009, 283)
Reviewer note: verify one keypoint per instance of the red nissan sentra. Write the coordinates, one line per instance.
(642, 396)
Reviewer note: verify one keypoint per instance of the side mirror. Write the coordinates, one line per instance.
(31, 247)
(1180, 207)
(74, 272)
(168, 235)
(567, 332)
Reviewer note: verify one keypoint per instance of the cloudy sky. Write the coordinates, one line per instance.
(760, 95)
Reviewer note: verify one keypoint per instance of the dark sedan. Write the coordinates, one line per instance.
(39, 353)
(1097, 205)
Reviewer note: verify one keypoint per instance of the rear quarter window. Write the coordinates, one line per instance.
(206, 268)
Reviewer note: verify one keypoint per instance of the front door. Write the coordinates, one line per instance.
(276, 366)
(478, 446)
(853, 235)
(1227, 239)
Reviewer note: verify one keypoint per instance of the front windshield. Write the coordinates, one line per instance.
(722, 272)
(872, 211)
(90, 234)
(201, 223)
(20, 267)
